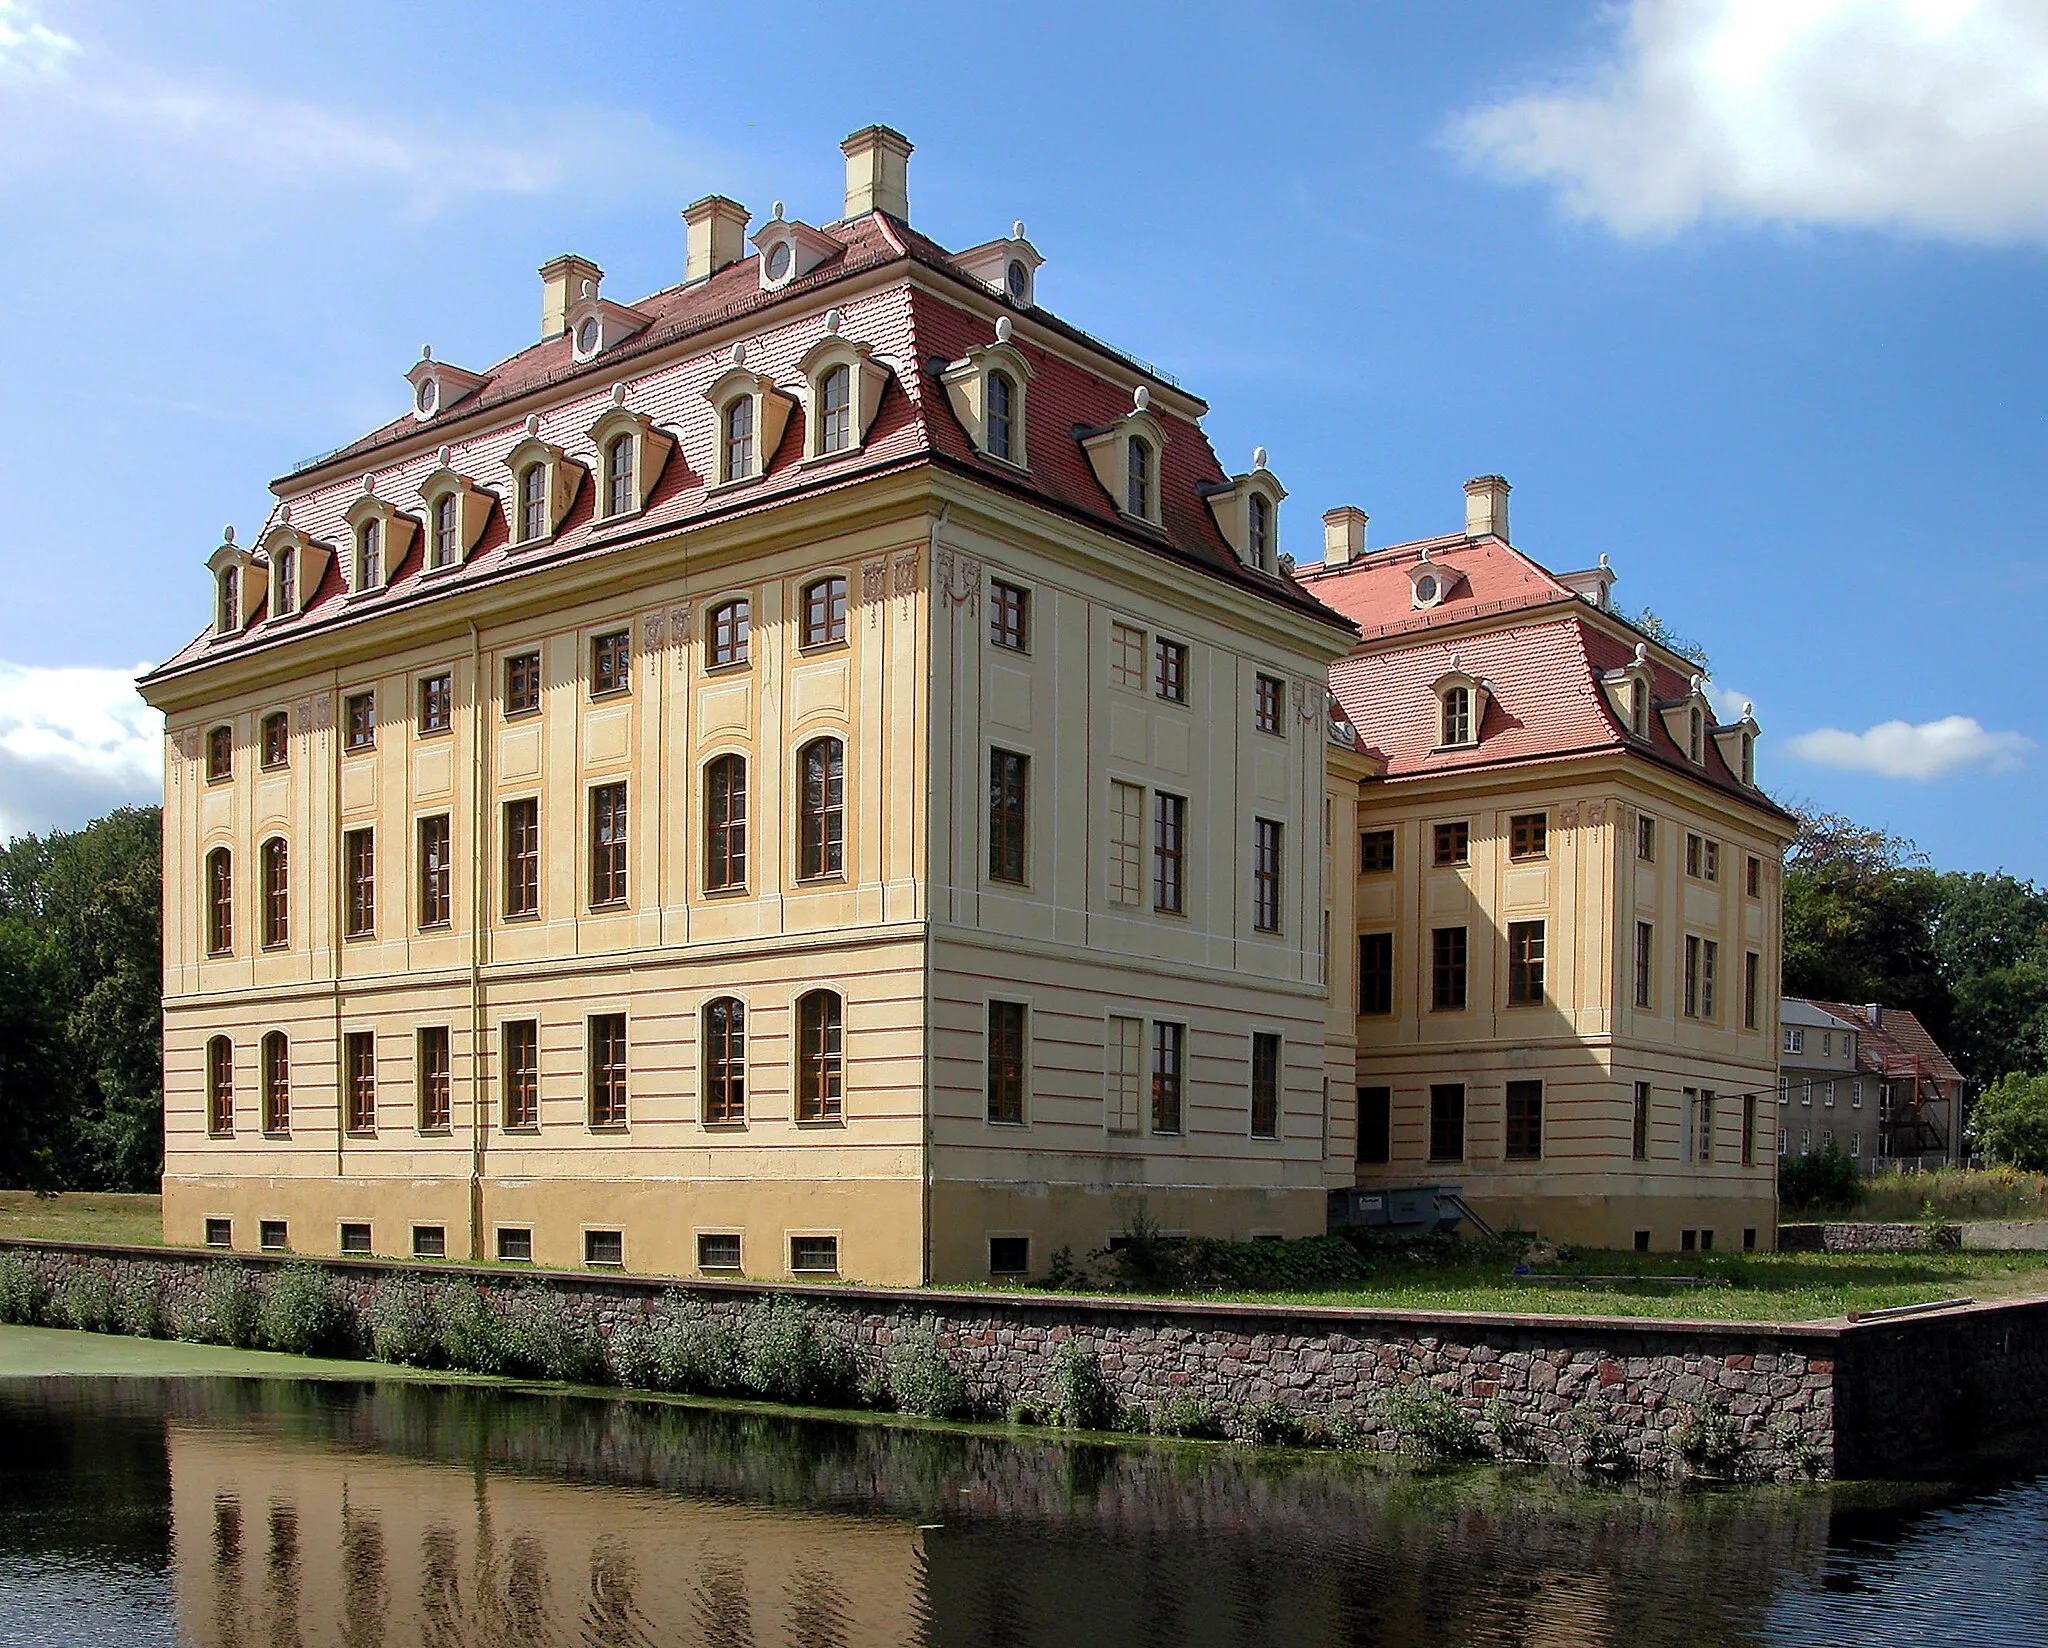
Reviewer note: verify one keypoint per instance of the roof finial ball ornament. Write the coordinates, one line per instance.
(1748, 710)
(739, 354)
(1004, 329)
(227, 535)
(1017, 230)
(618, 394)
(1642, 652)
(1141, 398)
(1258, 457)
(775, 212)
(426, 351)
(832, 322)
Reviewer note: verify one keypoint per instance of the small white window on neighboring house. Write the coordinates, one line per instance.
(1795, 1041)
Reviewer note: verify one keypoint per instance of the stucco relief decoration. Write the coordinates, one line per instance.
(1312, 703)
(874, 588)
(1596, 814)
(1568, 816)
(323, 711)
(302, 715)
(968, 594)
(680, 623)
(906, 580)
(186, 743)
(653, 632)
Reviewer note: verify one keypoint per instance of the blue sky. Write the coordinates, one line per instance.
(1746, 294)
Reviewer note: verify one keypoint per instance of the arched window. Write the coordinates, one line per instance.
(1695, 737)
(725, 823)
(1002, 404)
(369, 554)
(286, 581)
(1259, 531)
(821, 807)
(729, 634)
(1138, 479)
(276, 893)
(825, 612)
(277, 1083)
(220, 1085)
(220, 754)
(447, 535)
(618, 476)
(820, 1072)
(533, 502)
(220, 902)
(739, 439)
(227, 617)
(725, 1060)
(1457, 716)
(1639, 708)
(1748, 759)
(835, 410)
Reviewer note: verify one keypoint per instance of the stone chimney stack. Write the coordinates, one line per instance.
(1486, 507)
(718, 236)
(1343, 535)
(561, 284)
(877, 172)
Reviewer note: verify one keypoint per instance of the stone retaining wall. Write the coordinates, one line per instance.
(1852, 1237)
(1562, 1389)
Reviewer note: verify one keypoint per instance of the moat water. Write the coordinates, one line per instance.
(241, 1513)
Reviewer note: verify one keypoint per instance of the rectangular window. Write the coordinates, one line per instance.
(1375, 1124)
(277, 740)
(515, 1244)
(1375, 974)
(271, 1236)
(1126, 842)
(1753, 876)
(1856, 1095)
(277, 1083)
(1646, 963)
(1525, 963)
(430, 1241)
(1692, 976)
(355, 1238)
(1006, 1045)
(1447, 1121)
(437, 703)
(611, 662)
(604, 1247)
(608, 844)
(1828, 1095)
(1688, 1241)
(359, 721)
(1447, 969)
(1703, 1127)
(1009, 1256)
(1376, 852)
(1806, 1091)
(522, 683)
(814, 1255)
(359, 1070)
(1009, 615)
(1639, 1126)
(1008, 807)
(220, 1086)
(1454, 843)
(1126, 656)
(220, 1233)
(1710, 861)
(718, 1250)
(437, 872)
(1122, 1073)
(1795, 1041)
(1269, 705)
(1749, 1130)
(1752, 988)
(1265, 1085)
(1169, 848)
(1689, 1104)
(522, 857)
(1646, 839)
(435, 1063)
(1266, 875)
(1642, 1241)
(359, 858)
(522, 1073)
(608, 1070)
(1525, 1121)
(1529, 835)
(1710, 965)
(1170, 670)
(1167, 1042)
(220, 755)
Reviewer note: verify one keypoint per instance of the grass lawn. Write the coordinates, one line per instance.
(83, 1216)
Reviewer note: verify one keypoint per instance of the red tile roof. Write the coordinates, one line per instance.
(1375, 593)
(908, 328)
(1897, 1045)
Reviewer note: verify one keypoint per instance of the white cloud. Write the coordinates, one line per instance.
(74, 743)
(1729, 703)
(1898, 749)
(1924, 115)
(67, 106)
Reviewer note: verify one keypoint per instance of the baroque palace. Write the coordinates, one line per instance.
(822, 772)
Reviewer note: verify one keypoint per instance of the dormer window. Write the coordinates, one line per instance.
(633, 455)
(1738, 746)
(618, 475)
(835, 410)
(457, 509)
(738, 441)
(1457, 716)
(1639, 707)
(1748, 762)
(1002, 396)
(227, 616)
(447, 549)
(1138, 478)
(1008, 267)
(595, 324)
(1461, 706)
(297, 564)
(436, 385)
(1629, 693)
(1430, 581)
(369, 555)
(789, 249)
(988, 388)
(379, 537)
(1695, 736)
(284, 580)
(426, 397)
(752, 414)
(1259, 531)
(844, 385)
(1247, 511)
(533, 502)
(237, 590)
(545, 483)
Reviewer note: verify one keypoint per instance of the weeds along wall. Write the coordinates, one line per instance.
(1676, 1399)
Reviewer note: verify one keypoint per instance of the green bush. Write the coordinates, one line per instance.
(1430, 1423)
(473, 1335)
(405, 1323)
(24, 1298)
(139, 1306)
(223, 1310)
(544, 1338)
(1828, 1181)
(1708, 1439)
(304, 1312)
(1187, 1416)
(1596, 1444)
(696, 1353)
(1957, 1193)
(2010, 1121)
(632, 1358)
(1081, 1395)
(1272, 1425)
(1507, 1429)
(924, 1379)
(787, 1355)
(1145, 1261)
(87, 1301)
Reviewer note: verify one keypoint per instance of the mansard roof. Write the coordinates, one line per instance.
(910, 325)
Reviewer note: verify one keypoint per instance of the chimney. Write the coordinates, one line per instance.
(1875, 1013)
(561, 284)
(1343, 535)
(718, 236)
(1486, 507)
(877, 172)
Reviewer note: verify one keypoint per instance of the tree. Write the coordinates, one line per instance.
(2010, 1122)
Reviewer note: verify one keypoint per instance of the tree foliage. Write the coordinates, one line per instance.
(81, 1018)
(2010, 1122)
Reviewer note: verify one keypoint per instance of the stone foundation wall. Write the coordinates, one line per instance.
(1561, 1389)
(1849, 1237)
